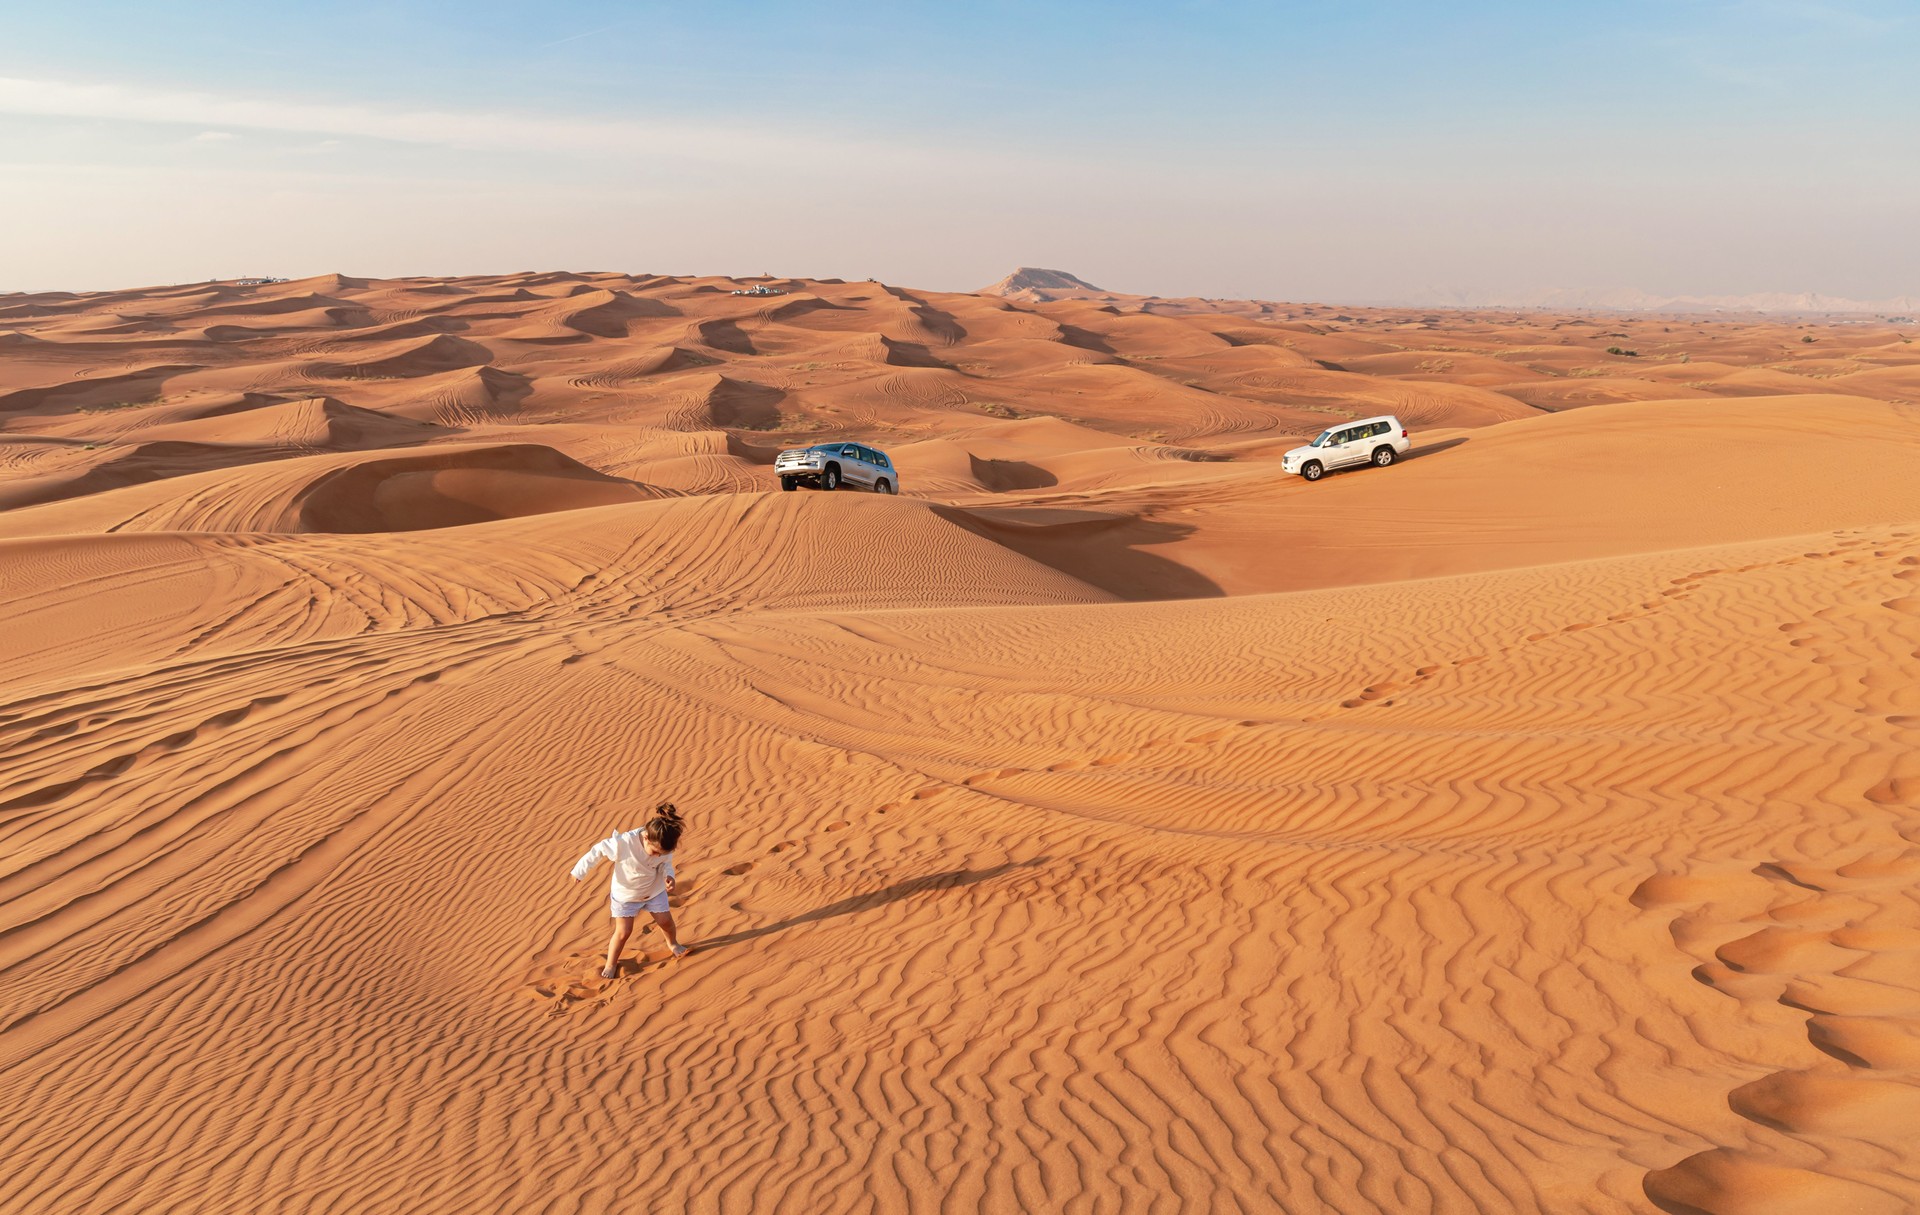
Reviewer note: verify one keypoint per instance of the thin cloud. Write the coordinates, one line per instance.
(740, 147)
(214, 137)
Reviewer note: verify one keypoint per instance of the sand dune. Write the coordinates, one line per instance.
(1527, 493)
(1108, 823)
(91, 392)
(425, 356)
(446, 486)
(463, 397)
(316, 422)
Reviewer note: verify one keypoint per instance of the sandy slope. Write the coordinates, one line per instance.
(1110, 824)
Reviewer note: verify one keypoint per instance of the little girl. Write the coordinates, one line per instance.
(642, 878)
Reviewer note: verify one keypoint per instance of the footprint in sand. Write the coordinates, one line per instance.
(981, 778)
(842, 825)
(563, 982)
(1815, 947)
(737, 870)
(1370, 695)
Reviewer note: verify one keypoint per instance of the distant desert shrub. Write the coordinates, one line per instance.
(1807, 338)
(998, 410)
(1623, 351)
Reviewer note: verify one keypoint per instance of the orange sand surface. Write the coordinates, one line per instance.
(1107, 823)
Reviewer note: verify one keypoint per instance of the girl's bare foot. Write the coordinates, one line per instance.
(611, 972)
(679, 951)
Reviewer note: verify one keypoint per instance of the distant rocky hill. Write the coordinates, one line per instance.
(1033, 283)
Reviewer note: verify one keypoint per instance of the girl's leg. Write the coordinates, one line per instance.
(665, 920)
(622, 928)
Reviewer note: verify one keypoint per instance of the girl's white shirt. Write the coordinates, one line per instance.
(636, 876)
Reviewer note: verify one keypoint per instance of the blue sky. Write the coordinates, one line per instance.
(1299, 151)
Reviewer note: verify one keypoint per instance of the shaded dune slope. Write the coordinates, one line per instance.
(443, 487)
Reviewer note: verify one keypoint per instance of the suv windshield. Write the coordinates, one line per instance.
(1326, 437)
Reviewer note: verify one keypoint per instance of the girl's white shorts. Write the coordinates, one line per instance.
(626, 911)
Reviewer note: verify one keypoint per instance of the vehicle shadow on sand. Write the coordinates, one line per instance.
(1421, 452)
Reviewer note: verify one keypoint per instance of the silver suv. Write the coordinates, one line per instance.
(1378, 441)
(837, 466)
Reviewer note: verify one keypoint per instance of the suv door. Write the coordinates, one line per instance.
(1340, 450)
(1360, 449)
(853, 469)
(1382, 436)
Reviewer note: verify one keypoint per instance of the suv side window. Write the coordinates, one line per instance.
(850, 451)
(880, 459)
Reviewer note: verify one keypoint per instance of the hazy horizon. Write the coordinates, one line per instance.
(1382, 153)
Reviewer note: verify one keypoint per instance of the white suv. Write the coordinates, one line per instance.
(1380, 441)
(837, 466)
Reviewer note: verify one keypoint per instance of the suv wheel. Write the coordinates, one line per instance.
(788, 484)
(830, 479)
(1383, 457)
(1312, 471)
(883, 486)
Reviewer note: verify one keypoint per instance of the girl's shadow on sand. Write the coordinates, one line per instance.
(871, 899)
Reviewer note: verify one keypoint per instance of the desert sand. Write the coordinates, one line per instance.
(1106, 823)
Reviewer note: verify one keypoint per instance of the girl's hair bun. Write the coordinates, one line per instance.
(665, 826)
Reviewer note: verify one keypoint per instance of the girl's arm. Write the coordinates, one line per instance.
(669, 871)
(602, 851)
